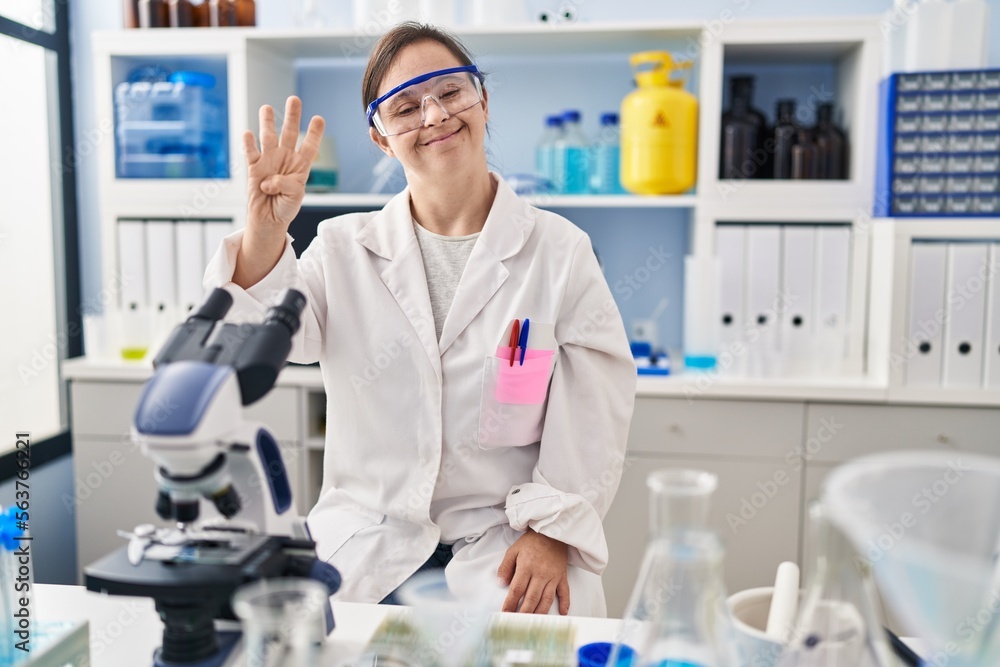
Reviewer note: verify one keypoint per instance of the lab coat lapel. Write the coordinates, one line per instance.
(390, 236)
(507, 228)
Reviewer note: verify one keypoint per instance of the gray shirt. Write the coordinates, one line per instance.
(444, 258)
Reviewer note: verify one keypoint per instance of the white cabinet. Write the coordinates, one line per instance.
(113, 480)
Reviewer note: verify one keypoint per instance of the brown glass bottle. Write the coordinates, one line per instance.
(741, 88)
(831, 145)
(130, 15)
(199, 13)
(221, 13)
(181, 13)
(785, 131)
(804, 156)
(153, 14)
(246, 13)
(739, 143)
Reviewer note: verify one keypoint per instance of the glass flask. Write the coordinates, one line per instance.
(837, 623)
(677, 616)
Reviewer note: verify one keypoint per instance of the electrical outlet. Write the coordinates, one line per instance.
(644, 330)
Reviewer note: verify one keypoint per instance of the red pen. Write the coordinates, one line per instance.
(515, 333)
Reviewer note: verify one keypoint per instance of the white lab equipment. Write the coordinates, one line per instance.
(966, 303)
(833, 263)
(798, 248)
(928, 36)
(701, 306)
(926, 524)
(924, 351)
(992, 347)
(377, 16)
(764, 301)
(494, 13)
(969, 44)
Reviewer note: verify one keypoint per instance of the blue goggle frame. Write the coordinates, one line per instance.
(373, 107)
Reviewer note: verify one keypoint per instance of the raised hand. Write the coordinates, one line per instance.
(277, 171)
(276, 184)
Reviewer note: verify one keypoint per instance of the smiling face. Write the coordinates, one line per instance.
(446, 145)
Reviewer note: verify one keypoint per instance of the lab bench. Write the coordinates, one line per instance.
(771, 442)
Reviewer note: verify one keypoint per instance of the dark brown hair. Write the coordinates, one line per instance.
(398, 38)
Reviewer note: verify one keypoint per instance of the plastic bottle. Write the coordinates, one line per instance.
(754, 163)
(659, 142)
(606, 158)
(785, 131)
(831, 145)
(545, 150)
(570, 157)
(804, 156)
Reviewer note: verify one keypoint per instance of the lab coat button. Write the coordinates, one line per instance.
(515, 491)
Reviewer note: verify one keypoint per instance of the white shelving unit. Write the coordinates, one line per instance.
(744, 429)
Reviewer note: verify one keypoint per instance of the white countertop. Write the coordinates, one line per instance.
(688, 386)
(126, 630)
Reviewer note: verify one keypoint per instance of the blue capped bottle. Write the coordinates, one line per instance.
(572, 162)
(606, 158)
(545, 150)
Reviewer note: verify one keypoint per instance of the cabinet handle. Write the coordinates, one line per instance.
(944, 439)
(674, 427)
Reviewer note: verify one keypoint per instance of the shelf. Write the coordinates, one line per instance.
(987, 398)
(360, 200)
(696, 386)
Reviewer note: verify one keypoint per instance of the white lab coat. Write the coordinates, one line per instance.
(417, 448)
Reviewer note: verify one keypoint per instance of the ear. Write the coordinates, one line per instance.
(381, 142)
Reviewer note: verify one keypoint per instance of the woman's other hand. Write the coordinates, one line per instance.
(535, 569)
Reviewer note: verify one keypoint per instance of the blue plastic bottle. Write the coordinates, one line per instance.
(572, 162)
(545, 151)
(605, 158)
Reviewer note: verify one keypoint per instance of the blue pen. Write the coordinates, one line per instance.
(523, 341)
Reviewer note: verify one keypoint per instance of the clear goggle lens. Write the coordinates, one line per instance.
(406, 110)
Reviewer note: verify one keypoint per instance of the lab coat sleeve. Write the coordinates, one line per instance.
(590, 402)
(306, 274)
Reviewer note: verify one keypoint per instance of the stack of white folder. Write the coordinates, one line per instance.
(954, 315)
(784, 298)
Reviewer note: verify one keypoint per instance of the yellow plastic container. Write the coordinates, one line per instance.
(659, 134)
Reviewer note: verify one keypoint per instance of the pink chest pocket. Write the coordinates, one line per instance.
(523, 384)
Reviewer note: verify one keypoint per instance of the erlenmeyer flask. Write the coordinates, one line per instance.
(676, 616)
(837, 623)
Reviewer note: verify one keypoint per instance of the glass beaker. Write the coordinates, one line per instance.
(284, 621)
(837, 623)
(677, 614)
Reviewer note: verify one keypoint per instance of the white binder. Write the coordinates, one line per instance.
(833, 280)
(966, 304)
(161, 265)
(191, 264)
(132, 263)
(763, 304)
(214, 232)
(991, 351)
(923, 349)
(730, 249)
(798, 248)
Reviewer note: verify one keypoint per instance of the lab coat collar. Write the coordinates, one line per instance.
(389, 234)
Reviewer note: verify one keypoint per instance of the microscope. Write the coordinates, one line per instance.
(189, 420)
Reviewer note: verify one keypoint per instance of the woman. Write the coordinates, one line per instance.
(443, 449)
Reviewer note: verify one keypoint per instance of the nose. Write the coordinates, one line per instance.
(433, 111)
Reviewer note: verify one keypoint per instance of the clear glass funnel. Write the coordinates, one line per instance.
(928, 526)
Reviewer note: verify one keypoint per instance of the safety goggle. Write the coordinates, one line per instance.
(404, 108)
